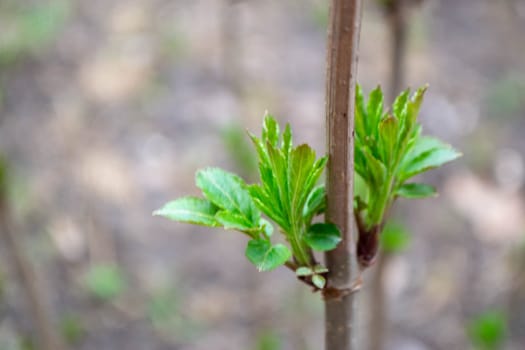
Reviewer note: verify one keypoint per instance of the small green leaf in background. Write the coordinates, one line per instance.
(164, 309)
(72, 329)
(488, 331)
(30, 28)
(105, 282)
(191, 210)
(269, 340)
(323, 236)
(265, 256)
(319, 281)
(394, 238)
(416, 190)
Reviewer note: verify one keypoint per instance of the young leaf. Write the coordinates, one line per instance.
(279, 167)
(316, 202)
(322, 236)
(315, 173)
(400, 104)
(320, 269)
(301, 162)
(428, 153)
(374, 110)
(234, 221)
(319, 281)
(266, 257)
(360, 115)
(267, 227)
(287, 139)
(228, 192)
(268, 205)
(388, 130)
(304, 271)
(376, 173)
(270, 132)
(416, 190)
(191, 210)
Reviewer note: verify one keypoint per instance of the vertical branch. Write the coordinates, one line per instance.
(343, 39)
(397, 23)
(46, 333)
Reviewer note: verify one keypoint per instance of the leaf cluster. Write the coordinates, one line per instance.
(389, 151)
(287, 194)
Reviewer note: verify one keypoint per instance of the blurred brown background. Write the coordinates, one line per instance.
(108, 107)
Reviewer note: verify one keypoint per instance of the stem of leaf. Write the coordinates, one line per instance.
(383, 202)
(300, 252)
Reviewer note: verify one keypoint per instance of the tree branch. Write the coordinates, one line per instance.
(343, 39)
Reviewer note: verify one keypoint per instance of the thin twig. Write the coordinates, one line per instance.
(397, 21)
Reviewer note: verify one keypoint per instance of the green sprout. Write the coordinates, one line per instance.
(287, 195)
(389, 151)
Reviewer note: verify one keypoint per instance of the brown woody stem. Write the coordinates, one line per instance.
(343, 38)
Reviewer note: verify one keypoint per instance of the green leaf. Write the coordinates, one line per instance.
(400, 105)
(279, 168)
(394, 238)
(267, 227)
(322, 236)
(488, 331)
(301, 162)
(319, 281)
(287, 139)
(316, 202)
(415, 104)
(267, 205)
(320, 269)
(388, 130)
(360, 115)
(270, 132)
(427, 153)
(228, 192)
(266, 257)
(192, 210)
(304, 271)
(416, 190)
(234, 221)
(376, 172)
(315, 173)
(374, 110)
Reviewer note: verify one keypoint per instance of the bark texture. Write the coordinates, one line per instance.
(343, 40)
